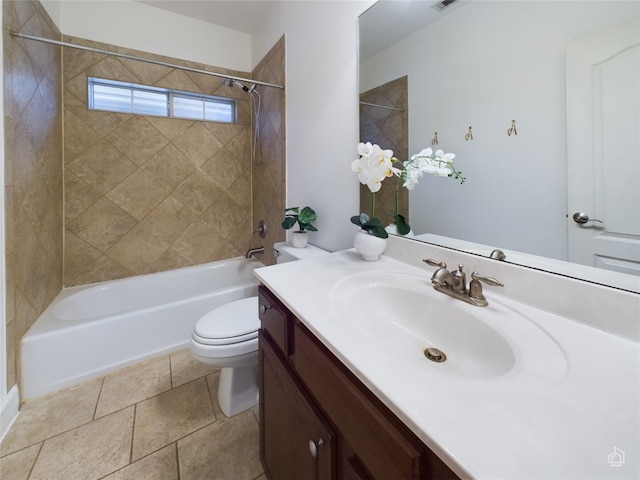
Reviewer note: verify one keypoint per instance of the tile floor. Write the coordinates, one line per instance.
(156, 420)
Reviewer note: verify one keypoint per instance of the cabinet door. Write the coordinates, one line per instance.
(373, 442)
(295, 441)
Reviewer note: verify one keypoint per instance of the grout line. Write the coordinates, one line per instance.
(133, 431)
(177, 459)
(35, 460)
(95, 408)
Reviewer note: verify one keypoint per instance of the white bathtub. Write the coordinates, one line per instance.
(91, 330)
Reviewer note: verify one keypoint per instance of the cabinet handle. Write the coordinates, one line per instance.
(314, 446)
(264, 308)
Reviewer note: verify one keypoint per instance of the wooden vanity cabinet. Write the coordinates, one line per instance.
(308, 395)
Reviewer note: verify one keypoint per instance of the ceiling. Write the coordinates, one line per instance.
(240, 15)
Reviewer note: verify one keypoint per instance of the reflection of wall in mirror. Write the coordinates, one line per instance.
(383, 121)
(484, 65)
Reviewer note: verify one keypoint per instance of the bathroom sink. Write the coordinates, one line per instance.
(403, 316)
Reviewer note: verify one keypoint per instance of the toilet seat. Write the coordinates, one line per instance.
(231, 323)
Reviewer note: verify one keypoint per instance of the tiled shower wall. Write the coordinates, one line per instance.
(389, 129)
(146, 194)
(33, 173)
(269, 168)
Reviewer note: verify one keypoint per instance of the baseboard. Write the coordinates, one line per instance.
(9, 411)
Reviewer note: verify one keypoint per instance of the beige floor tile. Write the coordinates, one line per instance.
(17, 466)
(51, 415)
(88, 452)
(134, 384)
(185, 368)
(226, 449)
(171, 415)
(161, 465)
(213, 381)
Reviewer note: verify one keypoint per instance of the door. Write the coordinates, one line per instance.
(603, 148)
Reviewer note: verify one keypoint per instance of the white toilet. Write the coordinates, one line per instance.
(227, 337)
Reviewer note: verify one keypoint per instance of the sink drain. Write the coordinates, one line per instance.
(435, 355)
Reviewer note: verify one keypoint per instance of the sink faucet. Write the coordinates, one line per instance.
(454, 283)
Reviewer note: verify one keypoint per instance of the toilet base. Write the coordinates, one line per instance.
(238, 389)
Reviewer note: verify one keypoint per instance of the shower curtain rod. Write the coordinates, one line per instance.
(382, 106)
(140, 59)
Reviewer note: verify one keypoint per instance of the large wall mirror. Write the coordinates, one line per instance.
(539, 101)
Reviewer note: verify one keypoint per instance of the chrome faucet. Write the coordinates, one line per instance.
(454, 283)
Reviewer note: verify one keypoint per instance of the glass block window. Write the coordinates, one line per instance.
(124, 97)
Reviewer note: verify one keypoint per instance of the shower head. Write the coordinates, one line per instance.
(229, 82)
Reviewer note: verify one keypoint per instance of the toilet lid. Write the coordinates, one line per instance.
(234, 321)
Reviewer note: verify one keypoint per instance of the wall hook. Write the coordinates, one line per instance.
(435, 139)
(469, 135)
(512, 129)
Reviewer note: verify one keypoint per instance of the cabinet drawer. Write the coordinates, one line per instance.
(274, 319)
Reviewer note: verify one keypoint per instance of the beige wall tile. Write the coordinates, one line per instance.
(33, 177)
(138, 194)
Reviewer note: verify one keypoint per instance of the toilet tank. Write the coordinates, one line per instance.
(285, 252)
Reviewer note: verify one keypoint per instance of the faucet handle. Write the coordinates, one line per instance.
(475, 287)
(434, 263)
(487, 280)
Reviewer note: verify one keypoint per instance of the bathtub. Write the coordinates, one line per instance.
(91, 330)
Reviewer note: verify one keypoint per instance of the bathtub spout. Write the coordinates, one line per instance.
(254, 251)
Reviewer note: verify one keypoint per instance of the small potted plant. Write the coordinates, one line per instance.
(304, 218)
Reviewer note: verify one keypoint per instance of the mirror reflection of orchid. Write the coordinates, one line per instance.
(376, 164)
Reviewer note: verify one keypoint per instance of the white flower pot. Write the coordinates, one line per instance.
(392, 229)
(299, 239)
(368, 246)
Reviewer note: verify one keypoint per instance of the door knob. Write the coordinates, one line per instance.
(582, 218)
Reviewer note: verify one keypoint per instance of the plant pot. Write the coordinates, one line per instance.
(299, 239)
(392, 229)
(368, 246)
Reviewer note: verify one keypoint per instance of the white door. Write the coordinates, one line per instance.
(603, 148)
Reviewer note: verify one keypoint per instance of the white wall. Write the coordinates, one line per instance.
(139, 26)
(322, 109)
(483, 65)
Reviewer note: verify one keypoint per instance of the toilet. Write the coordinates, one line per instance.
(227, 337)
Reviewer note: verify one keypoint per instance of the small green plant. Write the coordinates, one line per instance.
(303, 217)
(372, 225)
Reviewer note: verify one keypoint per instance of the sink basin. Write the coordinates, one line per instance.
(403, 316)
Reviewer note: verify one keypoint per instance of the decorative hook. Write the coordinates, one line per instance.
(512, 129)
(435, 139)
(469, 135)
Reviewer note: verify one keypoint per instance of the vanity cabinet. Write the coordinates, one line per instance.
(318, 421)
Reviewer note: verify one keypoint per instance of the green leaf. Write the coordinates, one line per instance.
(376, 231)
(288, 222)
(402, 226)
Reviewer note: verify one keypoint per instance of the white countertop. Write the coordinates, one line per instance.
(560, 423)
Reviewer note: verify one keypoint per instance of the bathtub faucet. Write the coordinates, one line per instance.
(254, 251)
